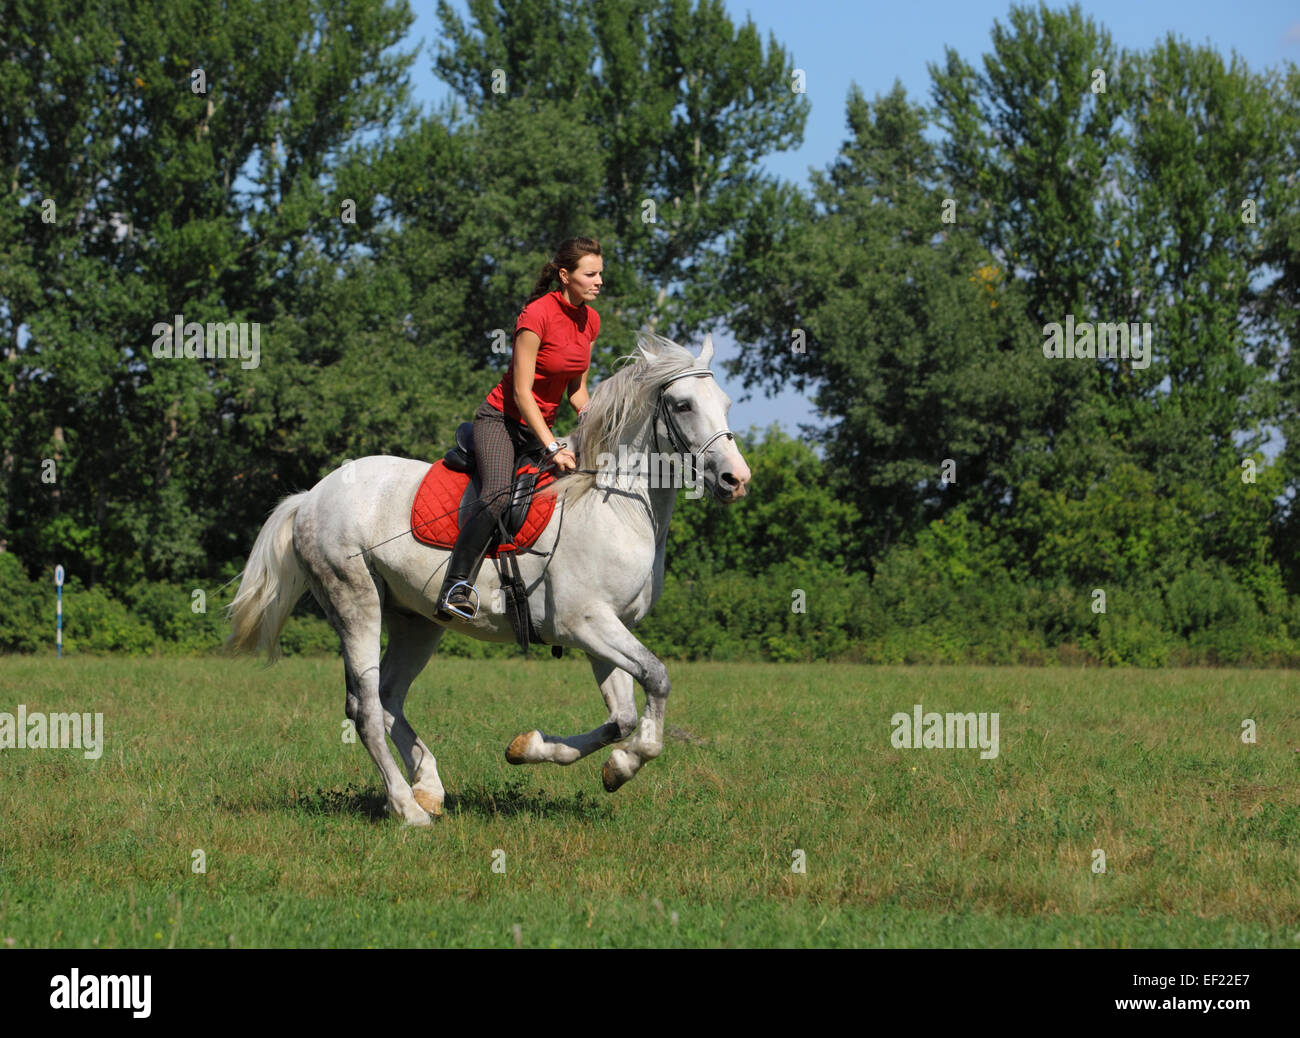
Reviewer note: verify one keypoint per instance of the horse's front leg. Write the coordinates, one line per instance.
(605, 636)
(616, 687)
(648, 742)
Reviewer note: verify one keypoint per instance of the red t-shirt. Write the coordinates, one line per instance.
(566, 332)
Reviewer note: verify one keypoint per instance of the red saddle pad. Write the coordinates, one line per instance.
(435, 514)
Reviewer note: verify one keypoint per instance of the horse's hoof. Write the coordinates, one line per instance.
(612, 776)
(517, 751)
(431, 803)
(420, 821)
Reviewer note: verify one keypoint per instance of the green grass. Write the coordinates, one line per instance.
(903, 847)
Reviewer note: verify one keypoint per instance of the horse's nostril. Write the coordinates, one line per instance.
(729, 479)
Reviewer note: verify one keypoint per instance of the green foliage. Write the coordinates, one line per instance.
(27, 612)
(1121, 527)
(964, 496)
(789, 512)
(95, 623)
(1129, 639)
(1117, 205)
(308, 636)
(170, 609)
(664, 101)
(792, 611)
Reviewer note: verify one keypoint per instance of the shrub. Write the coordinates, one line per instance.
(95, 623)
(27, 610)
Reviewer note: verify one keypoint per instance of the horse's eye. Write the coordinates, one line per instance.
(685, 405)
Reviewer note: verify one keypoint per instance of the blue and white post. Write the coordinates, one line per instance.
(58, 636)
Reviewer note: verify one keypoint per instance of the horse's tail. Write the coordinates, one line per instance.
(273, 582)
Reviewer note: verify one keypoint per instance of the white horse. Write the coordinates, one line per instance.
(348, 541)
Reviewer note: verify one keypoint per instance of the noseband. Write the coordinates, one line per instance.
(675, 436)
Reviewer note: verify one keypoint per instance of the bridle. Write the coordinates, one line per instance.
(676, 439)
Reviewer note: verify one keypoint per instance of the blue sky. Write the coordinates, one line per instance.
(873, 44)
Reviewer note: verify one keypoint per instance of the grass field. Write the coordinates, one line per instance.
(909, 847)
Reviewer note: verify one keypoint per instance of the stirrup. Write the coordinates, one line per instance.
(447, 605)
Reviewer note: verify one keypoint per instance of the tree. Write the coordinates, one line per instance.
(1114, 199)
(681, 105)
(914, 342)
(188, 175)
(790, 513)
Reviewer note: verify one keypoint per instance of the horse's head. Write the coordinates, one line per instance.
(691, 415)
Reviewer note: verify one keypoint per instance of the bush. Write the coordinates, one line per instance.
(1132, 639)
(169, 609)
(1202, 599)
(308, 636)
(95, 623)
(27, 611)
(955, 595)
(797, 610)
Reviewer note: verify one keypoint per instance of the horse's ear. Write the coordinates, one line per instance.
(706, 353)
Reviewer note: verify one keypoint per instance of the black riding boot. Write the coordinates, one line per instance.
(474, 540)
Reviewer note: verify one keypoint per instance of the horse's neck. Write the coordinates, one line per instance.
(658, 501)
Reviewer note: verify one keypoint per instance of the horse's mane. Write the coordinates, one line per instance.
(623, 400)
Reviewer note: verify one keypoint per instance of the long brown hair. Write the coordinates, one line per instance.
(567, 257)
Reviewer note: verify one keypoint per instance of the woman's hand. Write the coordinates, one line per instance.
(564, 460)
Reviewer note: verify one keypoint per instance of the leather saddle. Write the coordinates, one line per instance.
(461, 458)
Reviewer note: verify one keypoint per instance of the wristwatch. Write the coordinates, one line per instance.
(552, 447)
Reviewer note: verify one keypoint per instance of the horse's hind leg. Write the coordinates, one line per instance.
(411, 641)
(351, 600)
(616, 686)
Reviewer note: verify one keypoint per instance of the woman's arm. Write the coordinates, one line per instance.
(578, 392)
(526, 346)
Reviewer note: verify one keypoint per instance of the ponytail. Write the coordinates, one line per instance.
(567, 256)
(549, 273)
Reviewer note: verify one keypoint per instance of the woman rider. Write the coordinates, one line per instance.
(551, 355)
